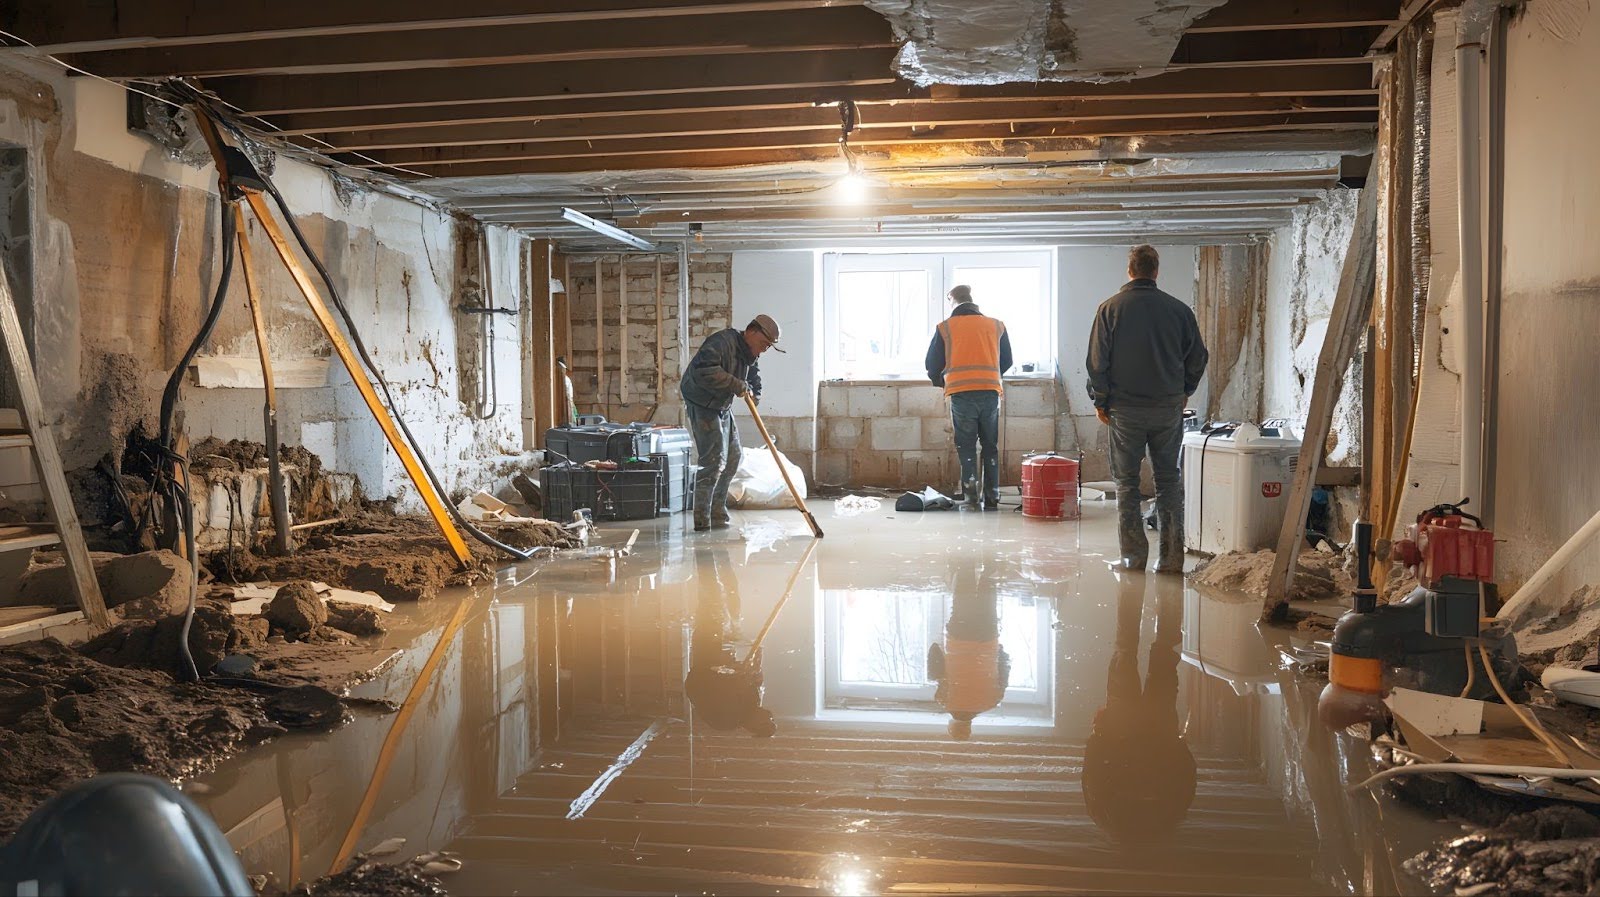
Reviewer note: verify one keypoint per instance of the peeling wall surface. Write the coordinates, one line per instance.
(1004, 41)
(1548, 465)
(124, 265)
(1304, 261)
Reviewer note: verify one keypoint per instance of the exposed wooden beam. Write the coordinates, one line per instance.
(1275, 15)
(1285, 81)
(845, 28)
(913, 114)
(434, 158)
(269, 95)
(102, 26)
(1268, 47)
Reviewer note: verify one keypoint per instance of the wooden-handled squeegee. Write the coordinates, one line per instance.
(778, 460)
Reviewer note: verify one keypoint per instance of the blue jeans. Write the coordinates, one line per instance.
(716, 443)
(976, 418)
(1158, 431)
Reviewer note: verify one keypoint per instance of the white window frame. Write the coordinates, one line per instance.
(940, 266)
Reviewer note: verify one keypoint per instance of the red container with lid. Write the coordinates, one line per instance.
(1050, 487)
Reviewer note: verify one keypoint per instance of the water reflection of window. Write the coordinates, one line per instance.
(883, 638)
(876, 646)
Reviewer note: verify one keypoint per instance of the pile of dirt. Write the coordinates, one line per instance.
(147, 585)
(371, 879)
(401, 558)
(1553, 850)
(1320, 575)
(311, 495)
(154, 644)
(297, 610)
(65, 717)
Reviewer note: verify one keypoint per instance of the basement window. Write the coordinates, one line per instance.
(880, 309)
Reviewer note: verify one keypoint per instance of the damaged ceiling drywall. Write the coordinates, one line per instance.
(1009, 41)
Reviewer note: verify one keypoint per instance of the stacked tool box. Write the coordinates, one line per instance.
(663, 452)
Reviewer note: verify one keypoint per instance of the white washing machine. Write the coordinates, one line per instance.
(1236, 486)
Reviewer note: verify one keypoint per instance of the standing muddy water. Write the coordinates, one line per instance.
(1146, 740)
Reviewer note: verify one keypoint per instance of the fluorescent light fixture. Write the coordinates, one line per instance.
(607, 230)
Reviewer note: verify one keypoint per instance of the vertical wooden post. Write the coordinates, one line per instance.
(541, 349)
(532, 436)
(622, 328)
(561, 332)
(600, 396)
(660, 373)
(685, 351)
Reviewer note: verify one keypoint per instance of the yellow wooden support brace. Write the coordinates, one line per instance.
(419, 477)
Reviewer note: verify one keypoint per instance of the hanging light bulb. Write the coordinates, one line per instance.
(853, 187)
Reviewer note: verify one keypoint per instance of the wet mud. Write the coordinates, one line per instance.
(399, 558)
(65, 717)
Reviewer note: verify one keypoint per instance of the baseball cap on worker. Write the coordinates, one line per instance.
(768, 328)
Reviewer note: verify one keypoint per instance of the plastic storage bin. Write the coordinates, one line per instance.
(1236, 486)
(632, 493)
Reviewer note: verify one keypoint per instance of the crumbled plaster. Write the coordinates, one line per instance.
(1006, 41)
(1304, 264)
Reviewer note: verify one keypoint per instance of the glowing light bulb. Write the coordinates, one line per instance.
(853, 187)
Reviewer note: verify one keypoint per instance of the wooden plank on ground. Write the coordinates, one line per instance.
(1352, 307)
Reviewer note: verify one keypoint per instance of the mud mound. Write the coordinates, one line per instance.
(65, 717)
(374, 880)
(297, 609)
(154, 645)
(399, 558)
(1320, 575)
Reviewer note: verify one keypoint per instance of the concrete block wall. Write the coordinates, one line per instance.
(897, 435)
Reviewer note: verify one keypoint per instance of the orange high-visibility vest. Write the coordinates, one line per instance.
(971, 353)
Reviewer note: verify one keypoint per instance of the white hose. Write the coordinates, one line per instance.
(1540, 580)
(1548, 772)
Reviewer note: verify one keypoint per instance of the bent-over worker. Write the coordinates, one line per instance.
(723, 370)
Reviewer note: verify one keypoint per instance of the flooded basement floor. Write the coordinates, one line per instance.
(596, 727)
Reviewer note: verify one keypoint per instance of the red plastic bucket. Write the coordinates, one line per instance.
(1050, 487)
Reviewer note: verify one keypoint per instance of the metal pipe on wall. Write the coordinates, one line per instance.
(1477, 16)
(683, 306)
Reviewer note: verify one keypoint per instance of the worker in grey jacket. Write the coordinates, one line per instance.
(1145, 359)
(723, 370)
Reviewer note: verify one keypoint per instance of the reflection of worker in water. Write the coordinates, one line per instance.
(1138, 772)
(970, 668)
(724, 691)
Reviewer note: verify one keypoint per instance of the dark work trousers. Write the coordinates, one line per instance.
(716, 443)
(1135, 431)
(975, 417)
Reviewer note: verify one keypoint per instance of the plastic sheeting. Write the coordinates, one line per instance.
(758, 484)
(1006, 41)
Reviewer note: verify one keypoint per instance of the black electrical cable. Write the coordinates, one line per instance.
(178, 493)
(377, 376)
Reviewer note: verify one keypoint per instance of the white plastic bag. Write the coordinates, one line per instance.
(758, 484)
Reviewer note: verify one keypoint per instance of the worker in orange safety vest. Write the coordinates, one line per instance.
(969, 354)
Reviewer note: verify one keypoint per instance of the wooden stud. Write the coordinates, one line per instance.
(1352, 307)
(541, 355)
(661, 392)
(600, 396)
(561, 315)
(622, 328)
